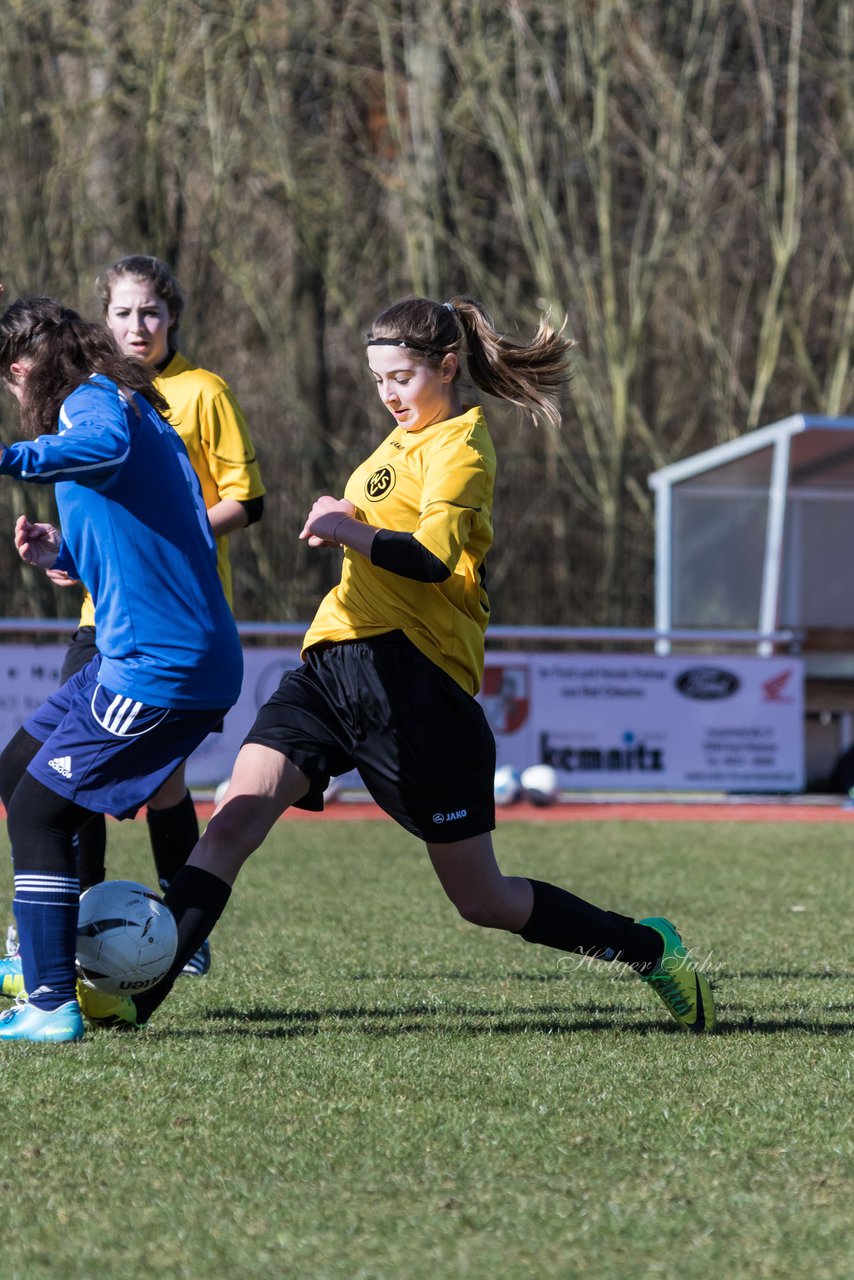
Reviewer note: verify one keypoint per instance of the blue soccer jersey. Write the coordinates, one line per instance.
(135, 530)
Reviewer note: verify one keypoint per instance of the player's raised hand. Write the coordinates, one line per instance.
(319, 528)
(37, 544)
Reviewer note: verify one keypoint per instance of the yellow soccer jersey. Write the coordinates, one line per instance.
(204, 412)
(438, 484)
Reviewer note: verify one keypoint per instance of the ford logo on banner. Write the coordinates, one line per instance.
(707, 683)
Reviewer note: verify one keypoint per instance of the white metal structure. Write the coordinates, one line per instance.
(758, 533)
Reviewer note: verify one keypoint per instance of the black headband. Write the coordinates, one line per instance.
(395, 342)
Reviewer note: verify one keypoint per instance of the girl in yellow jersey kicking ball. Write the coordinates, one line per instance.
(394, 657)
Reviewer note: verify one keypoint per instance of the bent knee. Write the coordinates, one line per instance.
(485, 913)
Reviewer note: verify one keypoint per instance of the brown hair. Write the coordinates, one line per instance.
(143, 266)
(526, 375)
(63, 351)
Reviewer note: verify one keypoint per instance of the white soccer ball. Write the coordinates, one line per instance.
(508, 785)
(219, 793)
(126, 937)
(539, 784)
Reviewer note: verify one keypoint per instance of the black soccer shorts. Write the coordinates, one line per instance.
(422, 745)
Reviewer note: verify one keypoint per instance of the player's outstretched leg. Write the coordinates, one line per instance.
(550, 916)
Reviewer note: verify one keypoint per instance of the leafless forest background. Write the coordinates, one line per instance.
(676, 179)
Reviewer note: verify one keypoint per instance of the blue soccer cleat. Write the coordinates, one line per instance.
(199, 963)
(11, 975)
(45, 1026)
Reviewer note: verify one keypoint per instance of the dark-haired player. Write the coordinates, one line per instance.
(134, 528)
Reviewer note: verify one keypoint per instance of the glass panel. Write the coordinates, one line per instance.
(818, 580)
(717, 557)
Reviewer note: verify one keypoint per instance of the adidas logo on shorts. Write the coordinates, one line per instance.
(62, 765)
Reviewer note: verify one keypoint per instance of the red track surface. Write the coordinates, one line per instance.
(604, 811)
(616, 811)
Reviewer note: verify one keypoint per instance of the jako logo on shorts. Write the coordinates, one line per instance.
(453, 816)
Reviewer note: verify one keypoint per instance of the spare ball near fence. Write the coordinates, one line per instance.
(508, 785)
(539, 784)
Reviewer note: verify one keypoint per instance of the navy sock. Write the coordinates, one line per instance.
(41, 825)
(45, 909)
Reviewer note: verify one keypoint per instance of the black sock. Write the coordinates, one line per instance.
(174, 834)
(197, 899)
(90, 845)
(561, 920)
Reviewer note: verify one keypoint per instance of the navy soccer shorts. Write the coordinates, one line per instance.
(422, 745)
(82, 648)
(107, 752)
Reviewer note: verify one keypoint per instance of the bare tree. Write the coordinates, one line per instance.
(676, 181)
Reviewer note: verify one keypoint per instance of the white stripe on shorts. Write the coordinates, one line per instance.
(127, 723)
(120, 715)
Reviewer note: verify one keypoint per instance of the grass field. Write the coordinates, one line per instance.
(366, 1087)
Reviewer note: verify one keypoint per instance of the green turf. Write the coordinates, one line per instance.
(367, 1087)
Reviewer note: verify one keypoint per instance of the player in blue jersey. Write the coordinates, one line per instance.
(142, 305)
(135, 530)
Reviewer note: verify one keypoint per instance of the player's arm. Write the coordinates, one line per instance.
(90, 445)
(332, 523)
(233, 466)
(403, 554)
(229, 514)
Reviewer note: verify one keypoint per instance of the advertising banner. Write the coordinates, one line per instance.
(30, 673)
(635, 722)
(621, 722)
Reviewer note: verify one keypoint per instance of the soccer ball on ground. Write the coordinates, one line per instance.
(508, 786)
(126, 937)
(219, 793)
(539, 784)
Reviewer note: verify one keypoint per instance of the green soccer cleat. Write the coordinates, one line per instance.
(12, 975)
(678, 981)
(103, 1011)
(43, 1026)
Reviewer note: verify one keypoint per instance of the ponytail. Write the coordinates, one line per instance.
(527, 375)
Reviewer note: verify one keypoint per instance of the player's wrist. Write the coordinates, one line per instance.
(342, 520)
